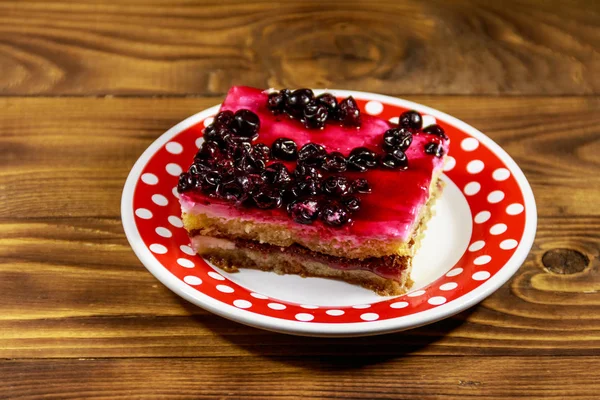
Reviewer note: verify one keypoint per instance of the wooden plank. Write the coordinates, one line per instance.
(307, 378)
(554, 140)
(75, 289)
(397, 47)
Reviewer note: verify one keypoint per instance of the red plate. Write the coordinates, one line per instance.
(483, 231)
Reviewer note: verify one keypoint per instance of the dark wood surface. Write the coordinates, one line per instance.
(87, 85)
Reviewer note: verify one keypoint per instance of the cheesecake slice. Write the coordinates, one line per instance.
(301, 184)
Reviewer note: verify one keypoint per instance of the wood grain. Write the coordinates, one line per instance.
(179, 47)
(289, 378)
(71, 286)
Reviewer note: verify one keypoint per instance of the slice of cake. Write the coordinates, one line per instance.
(302, 184)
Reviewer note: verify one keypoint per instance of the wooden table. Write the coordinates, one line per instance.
(87, 85)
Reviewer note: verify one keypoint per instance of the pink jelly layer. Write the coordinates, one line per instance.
(390, 211)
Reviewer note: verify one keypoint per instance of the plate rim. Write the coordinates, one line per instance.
(327, 329)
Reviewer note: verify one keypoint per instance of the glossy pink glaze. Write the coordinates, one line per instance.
(390, 212)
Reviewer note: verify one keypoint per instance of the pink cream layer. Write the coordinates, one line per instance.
(389, 212)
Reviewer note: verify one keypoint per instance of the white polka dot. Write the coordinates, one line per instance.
(416, 293)
(450, 163)
(216, 276)
(514, 209)
(481, 217)
(175, 221)
(369, 316)
(472, 188)
(175, 192)
(496, 196)
(208, 121)
(187, 250)
(174, 148)
(276, 306)
(304, 317)
(478, 245)
(508, 244)
(428, 120)
(373, 107)
(394, 120)
(149, 179)
(173, 169)
(309, 306)
(242, 303)
(225, 289)
(334, 313)
(258, 296)
(159, 199)
(498, 229)
(454, 272)
(164, 232)
(469, 144)
(481, 275)
(199, 142)
(501, 174)
(437, 300)
(481, 260)
(399, 304)
(143, 213)
(185, 263)
(158, 248)
(475, 166)
(192, 280)
(449, 286)
(361, 306)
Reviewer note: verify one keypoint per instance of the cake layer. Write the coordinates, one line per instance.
(386, 275)
(388, 216)
(210, 220)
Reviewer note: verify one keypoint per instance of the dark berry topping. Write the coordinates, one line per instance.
(297, 101)
(335, 214)
(285, 149)
(304, 211)
(216, 133)
(397, 138)
(361, 159)
(246, 124)
(352, 203)
(209, 151)
(312, 154)
(435, 130)
(210, 181)
(348, 113)
(224, 118)
(411, 120)
(336, 186)
(315, 115)
(199, 167)
(361, 185)
(237, 146)
(334, 162)
(248, 182)
(266, 197)
(276, 102)
(186, 182)
(329, 101)
(307, 171)
(261, 151)
(231, 191)
(435, 149)
(277, 174)
(395, 160)
(249, 164)
(306, 188)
